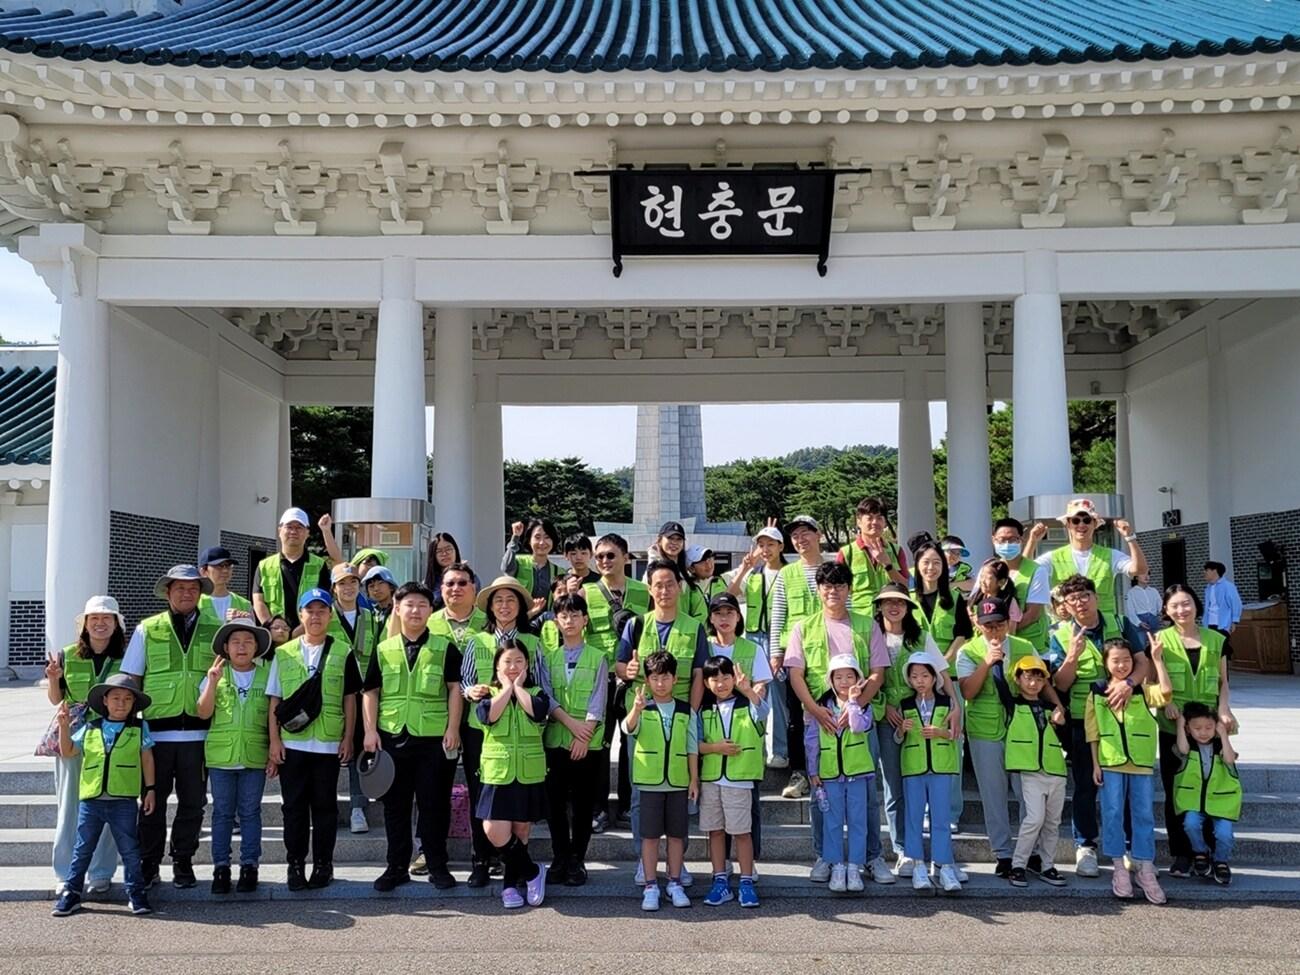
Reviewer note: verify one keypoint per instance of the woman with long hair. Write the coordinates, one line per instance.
(535, 541)
(444, 551)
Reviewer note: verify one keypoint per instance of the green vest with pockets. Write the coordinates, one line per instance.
(484, 648)
(817, 650)
(1092, 665)
(743, 654)
(942, 625)
(919, 754)
(1131, 740)
(1219, 795)
(986, 718)
(847, 753)
(273, 583)
(801, 601)
(329, 724)
(656, 759)
(512, 749)
(868, 578)
(172, 675)
(758, 618)
(1035, 632)
(745, 767)
(693, 603)
(360, 644)
(79, 673)
(572, 693)
(525, 572)
(237, 603)
(681, 645)
(113, 773)
(1201, 684)
(1061, 563)
(238, 736)
(600, 615)
(1030, 750)
(414, 698)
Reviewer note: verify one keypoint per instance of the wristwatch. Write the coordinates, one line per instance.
(150, 788)
(1130, 539)
(1129, 682)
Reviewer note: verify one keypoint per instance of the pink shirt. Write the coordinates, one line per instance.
(839, 640)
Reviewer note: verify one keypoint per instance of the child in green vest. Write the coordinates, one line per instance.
(236, 751)
(1123, 745)
(117, 767)
(1206, 789)
(513, 772)
(665, 772)
(731, 762)
(1033, 751)
(929, 762)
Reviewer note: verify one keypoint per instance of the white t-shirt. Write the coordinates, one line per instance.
(894, 643)
(220, 606)
(727, 711)
(1039, 592)
(310, 660)
(1120, 562)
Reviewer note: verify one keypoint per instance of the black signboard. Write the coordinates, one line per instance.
(673, 212)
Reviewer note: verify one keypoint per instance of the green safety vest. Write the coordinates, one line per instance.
(757, 617)
(413, 698)
(600, 615)
(172, 675)
(273, 583)
(1130, 740)
(439, 626)
(329, 724)
(79, 673)
(572, 693)
(1035, 632)
(961, 573)
(701, 594)
(692, 603)
(801, 601)
(681, 643)
(512, 749)
(868, 578)
(524, 572)
(745, 767)
(919, 754)
(113, 772)
(817, 651)
(1200, 685)
(238, 737)
(237, 602)
(1218, 795)
(986, 718)
(1061, 563)
(1030, 750)
(656, 760)
(942, 625)
(1092, 664)
(846, 753)
(360, 644)
(743, 654)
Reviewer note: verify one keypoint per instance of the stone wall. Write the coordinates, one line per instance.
(140, 550)
(1282, 527)
(27, 633)
(239, 545)
(1197, 540)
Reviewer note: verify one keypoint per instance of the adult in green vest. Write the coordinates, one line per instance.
(504, 605)
(1075, 649)
(170, 653)
(535, 542)
(70, 673)
(352, 625)
(752, 583)
(237, 750)
(1102, 565)
(217, 566)
(574, 677)
(1207, 790)
(310, 749)
(411, 708)
(280, 577)
(1032, 580)
(873, 557)
(117, 768)
(1196, 657)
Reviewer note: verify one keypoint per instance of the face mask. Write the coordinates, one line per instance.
(1007, 550)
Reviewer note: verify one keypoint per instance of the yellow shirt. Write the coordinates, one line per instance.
(1155, 700)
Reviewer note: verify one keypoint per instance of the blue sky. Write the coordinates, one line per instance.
(603, 436)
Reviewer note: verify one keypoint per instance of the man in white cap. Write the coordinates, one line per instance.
(282, 576)
(1102, 565)
(172, 652)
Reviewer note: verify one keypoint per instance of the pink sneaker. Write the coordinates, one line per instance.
(1121, 881)
(1146, 878)
(511, 899)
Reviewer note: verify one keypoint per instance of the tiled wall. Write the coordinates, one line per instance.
(1282, 527)
(239, 545)
(26, 632)
(141, 549)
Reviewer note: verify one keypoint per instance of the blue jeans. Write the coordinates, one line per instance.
(1136, 793)
(849, 808)
(237, 791)
(1194, 824)
(932, 790)
(780, 716)
(67, 773)
(889, 762)
(119, 815)
(1083, 801)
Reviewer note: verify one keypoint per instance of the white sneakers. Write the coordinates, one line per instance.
(920, 877)
(778, 761)
(820, 872)
(676, 894)
(685, 879)
(904, 865)
(839, 880)
(639, 878)
(855, 878)
(948, 878)
(798, 786)
(1085, 862)
(880, 872)
(359, 824)
(97, 887)
(650, 898)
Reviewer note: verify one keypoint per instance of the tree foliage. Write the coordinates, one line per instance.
(330, 455)
(566, 491)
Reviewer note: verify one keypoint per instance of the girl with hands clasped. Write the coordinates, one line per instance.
(513, 772)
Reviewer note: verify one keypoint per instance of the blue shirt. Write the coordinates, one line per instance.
(110, 730)
(626, 643)
(1222, 604)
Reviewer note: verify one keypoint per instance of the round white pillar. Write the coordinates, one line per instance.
(209, 485)
(965, 382)
(397, 457)
(284, 473)
(1123, 456)
(77, 550)
(1041, 429)
(453, 424)
(489, 486)
(915, 458)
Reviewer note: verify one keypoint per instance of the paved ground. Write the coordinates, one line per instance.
(932, 936)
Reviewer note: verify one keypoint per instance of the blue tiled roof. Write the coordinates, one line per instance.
(26, 415)
(661, 35)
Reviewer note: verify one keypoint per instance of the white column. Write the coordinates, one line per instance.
(76, 558)
(1124, 457)
(453, 422)
(965, 381)
(915, 458)
(284, 475)
(1218, 451)
(397, 464)
(489, 488)
(209, 480)
(1041, 434)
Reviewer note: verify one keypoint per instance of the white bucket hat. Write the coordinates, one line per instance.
(844, 661)
(100, 604)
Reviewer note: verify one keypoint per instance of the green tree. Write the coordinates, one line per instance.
(330, 454)
(831, 493)
(749, 490)
(566, 491)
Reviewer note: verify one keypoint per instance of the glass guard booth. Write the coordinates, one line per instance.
(401, 527)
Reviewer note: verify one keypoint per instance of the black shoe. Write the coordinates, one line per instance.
(1052, 876)
(623, 817)
(321, 875)
(297, 876)
(148, 874)
(441, 877)
(68, 903)
(1200, 865)
(391, 879)
(600, 822)
(557, 871)
(1222, 874)
(139, 903)
(1035, 864)
(496, 868)
(1181, 867)
(478, 874)
(577, 874)
(247, 880)
(183, 873)
(1003, 869)
(221, 880)
(1017, 877)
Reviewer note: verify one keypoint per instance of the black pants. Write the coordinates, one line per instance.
(794, 727)
(600, 767)
(425, 775)
(471, 750)
(309, 785)
(178, 765)
(568, 783)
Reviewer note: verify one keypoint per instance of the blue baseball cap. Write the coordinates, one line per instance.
(314, 596)
(380, 573)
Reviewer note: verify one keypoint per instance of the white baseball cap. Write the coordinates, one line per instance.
(770, 532)
(295, 514)
(697, 553)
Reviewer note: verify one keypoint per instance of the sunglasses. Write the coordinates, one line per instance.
(1081, 520)
(605, 556)
(455, 584)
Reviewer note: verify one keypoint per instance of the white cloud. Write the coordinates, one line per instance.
(28, 312)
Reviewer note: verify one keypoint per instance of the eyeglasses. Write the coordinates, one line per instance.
(455, 584)
(1081, 520)
(605, 556)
